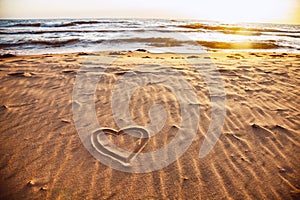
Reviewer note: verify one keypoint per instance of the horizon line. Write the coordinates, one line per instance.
(147, 18)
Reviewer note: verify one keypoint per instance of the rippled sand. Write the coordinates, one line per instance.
(256, 157)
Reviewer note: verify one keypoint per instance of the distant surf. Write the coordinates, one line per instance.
(157, 35)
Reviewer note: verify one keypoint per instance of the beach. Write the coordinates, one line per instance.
(255, 157)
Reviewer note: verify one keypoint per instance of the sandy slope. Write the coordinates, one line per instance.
(256, 157)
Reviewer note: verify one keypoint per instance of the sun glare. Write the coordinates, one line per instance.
(278, 11)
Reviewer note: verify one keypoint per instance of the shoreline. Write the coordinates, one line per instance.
(145, 51)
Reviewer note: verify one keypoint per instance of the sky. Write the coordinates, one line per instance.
(271, 11)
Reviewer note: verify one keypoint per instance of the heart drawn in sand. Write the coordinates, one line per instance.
(103, 145)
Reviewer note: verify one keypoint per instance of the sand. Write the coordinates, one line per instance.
(256, 157)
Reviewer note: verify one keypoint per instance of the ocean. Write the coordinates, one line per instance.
(43, 36)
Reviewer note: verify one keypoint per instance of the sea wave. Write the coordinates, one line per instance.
(235, 29)
(27, 25)
(70, 23)
(171, 42)
(9, 32)
(54, 43)
(54, 24)
(82, 31)
(240, 45)
(138, 30)
(152, 42)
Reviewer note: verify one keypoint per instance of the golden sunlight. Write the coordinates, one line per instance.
(276, 11)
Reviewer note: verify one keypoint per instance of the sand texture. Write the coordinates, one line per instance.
(256, 157)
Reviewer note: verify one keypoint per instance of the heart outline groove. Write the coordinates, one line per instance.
(105, 147)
